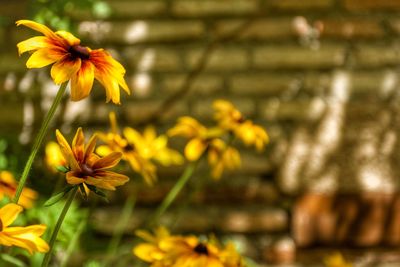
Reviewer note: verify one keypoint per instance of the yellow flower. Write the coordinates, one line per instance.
(336, 260)
(73, 62)
(87, 168)
(8, 187)
(164, 250)
(206, 140)
(230, 119)
(53, 156)
(25, 237)
(138, 150)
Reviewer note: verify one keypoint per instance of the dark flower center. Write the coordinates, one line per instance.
(201, 249)
(78, 51)
(129, 148)
(1, 225)
(86, 170)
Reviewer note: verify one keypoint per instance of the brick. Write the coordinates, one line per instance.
(202, 86)
(202, 109)
(134, 9)
(375, 56)
(327, 56)
(299, 110)
(260, 29)
(141, 31)
(352, 28)
(294, 5)
(222, 59)
(264, 84)
(357, 5)
(152, 59)
(197, 8)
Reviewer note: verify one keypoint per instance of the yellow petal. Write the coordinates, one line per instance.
(90, 146)
(67, 151)
(9, 213)
(69, 37)
(78, 145)
(37, 27)
(194, 149)
(82, 81)
(32, 44)
(73, 178)
(64, 69)
(108, 161)
(40, 58)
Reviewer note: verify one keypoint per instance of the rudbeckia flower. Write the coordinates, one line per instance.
(25, 237)
(164, 250)
(53, 156)
(8, 187)
(74, 62)
(231, 119)
(221, 156)
(139, 150)
(87, 168)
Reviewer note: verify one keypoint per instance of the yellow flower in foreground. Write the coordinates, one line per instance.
(25, 237)
(73, 62)
(164, 250)
(8, 187)
(53, 156)
(336, 260)
(87, 168)
(229, 118)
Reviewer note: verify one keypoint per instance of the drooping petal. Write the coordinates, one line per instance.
(64, 69)
(69, 37)
(67, 151)
(33, 43)
(108, 161)
(82, 81)
(37, 27)
(9, 213)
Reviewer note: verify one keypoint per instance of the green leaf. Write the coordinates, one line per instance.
(57, 197)
(98, 192)
(62, 169)
(10, 259)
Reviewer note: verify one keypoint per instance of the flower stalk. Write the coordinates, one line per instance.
(60, 220)
(38, 140)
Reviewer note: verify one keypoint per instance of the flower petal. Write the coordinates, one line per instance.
(41, 58)
(69, 37)
(78, 145)
(195, 148)
(90, 146)
(63, 70)
(73, 178)
(82, 81)
(108, 161)
(33, 44)
(9, 213)
(37, 27)
(67, 151)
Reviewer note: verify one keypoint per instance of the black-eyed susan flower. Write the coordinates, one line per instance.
(231, 119)
(220, 156)
(139, 150)
(87, 168)
(8, 187)
(164, 250)
(54, 157)
(74, 62)
(25, 237)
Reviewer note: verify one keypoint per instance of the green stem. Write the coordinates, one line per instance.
(39, 140)
(73, 242)
(174, 192)
(60, 220)
(119, 229)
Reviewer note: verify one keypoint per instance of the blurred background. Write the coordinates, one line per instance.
(320, 75)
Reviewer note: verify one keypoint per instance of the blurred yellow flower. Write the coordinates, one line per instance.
(53, 156)
(230, 119)
(73, 62)
(164, 250)
(8, 187)
(139, 150)
(336, 260)
(87, 168)
(25, 237)
(221, 156)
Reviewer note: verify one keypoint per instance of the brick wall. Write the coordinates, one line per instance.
(320, 75)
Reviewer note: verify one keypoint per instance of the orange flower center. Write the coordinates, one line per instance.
(201, 249)
(78, 51)
(86, 170)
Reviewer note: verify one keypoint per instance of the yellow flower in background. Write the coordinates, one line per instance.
(25, 237)
(71, 61)
(200, 136)
(220, 156)
(164, 250)
(231, 119)
(87, 168)
(139, 150)
(336, 260)
(53, 156)
(8, 187)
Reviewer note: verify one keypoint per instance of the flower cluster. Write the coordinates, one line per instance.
(220, 152)
(8, 185)
(164, 250)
